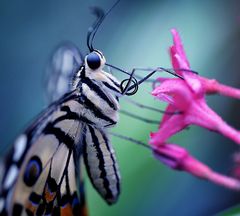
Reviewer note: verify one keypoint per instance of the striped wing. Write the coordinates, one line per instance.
(42, 171)
(101, 164)
(63, 65)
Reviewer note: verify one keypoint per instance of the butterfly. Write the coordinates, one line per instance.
(42, 172)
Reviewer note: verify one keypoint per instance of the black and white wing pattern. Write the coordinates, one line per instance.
(65, 61)
(101, 164)
(41, 175)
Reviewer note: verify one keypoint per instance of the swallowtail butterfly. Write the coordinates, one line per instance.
(42, 173)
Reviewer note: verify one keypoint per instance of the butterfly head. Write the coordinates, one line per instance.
(95, 61)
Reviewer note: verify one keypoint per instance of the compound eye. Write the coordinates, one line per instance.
(93, 61)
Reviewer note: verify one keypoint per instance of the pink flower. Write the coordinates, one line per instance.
(186, 97)
(178, 158)
(209, 86)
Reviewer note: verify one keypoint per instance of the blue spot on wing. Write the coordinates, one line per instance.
(32, 171)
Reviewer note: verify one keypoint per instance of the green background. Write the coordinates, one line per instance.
(135, 34)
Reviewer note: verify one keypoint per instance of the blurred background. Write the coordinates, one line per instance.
(135, 34)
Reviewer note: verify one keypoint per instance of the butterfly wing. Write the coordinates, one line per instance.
(13, 161)
(40, 174)
(101, 164)
(63, 65)
(56, 191)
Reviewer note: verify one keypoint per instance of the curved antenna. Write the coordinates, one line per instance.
(101, 16)
(99, 13)
(97, 9)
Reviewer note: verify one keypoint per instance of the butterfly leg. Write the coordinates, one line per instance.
(161, 69)
(126, 90)
(178, 158)
(153, 71)
(146, 120)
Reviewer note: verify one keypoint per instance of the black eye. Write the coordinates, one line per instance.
(93, 61)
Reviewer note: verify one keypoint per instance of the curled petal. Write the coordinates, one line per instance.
(174, 91)
(194, 110)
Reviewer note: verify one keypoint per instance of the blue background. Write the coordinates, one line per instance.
(136, 33)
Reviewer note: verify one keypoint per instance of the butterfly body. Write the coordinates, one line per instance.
(42, 173)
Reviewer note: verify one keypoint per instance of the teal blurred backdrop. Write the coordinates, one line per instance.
(136, 33)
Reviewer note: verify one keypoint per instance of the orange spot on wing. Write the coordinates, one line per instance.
(49, 196)
(32, 208)
(66, 210)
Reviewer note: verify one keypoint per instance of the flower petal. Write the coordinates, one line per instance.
(186, 97)
(176, 92)
(169, 113)
(179, 48)
(180, 61)
(178, 158)
(212, 86)
(171, 126)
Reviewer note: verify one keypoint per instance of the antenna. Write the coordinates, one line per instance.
(99, 13)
